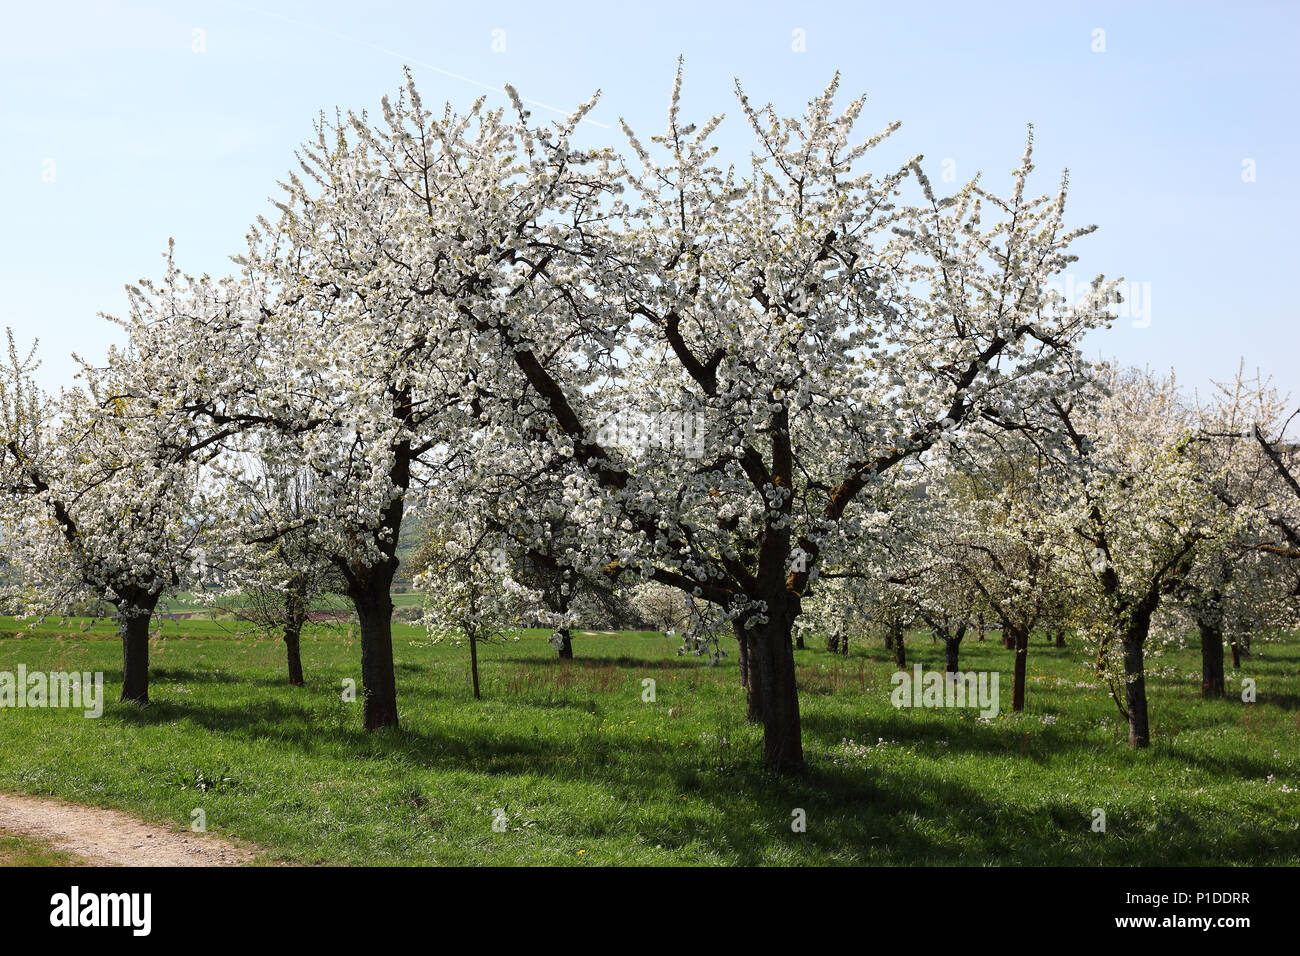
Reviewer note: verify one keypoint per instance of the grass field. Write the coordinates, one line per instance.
(22, 851)
(586, 772)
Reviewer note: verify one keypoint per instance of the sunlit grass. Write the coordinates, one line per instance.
(586, 771)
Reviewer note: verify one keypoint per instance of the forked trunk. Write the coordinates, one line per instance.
(566, 644)
(952, 648)
(1236, 654)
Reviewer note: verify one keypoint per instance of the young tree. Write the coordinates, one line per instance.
(469, 593)
(1142, 510)
(274, 571)
(1000, 538)
(102, 498)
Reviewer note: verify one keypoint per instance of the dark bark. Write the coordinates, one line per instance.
(294, 654)
(135, 659)
(895, 635)
(1240, 649)
(370, 586)
(295, 616)
(844, 645)
(798, 641)
(952, 648)
(1135, 688)
(1060, 637)
(1019, 641)
(833, 642)
(772, 650)
(566, 644)
(369, 593)
(1213, 681)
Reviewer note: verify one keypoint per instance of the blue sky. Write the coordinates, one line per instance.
(122, 126)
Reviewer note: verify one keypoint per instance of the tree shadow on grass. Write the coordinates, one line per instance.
(638, 664)
(186, 675)
(735, 811)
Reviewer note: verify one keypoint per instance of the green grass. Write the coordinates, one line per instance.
(23, 851)
(587, 772)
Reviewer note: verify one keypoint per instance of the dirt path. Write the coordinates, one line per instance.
(111, 838)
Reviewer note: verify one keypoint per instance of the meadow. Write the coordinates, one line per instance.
(584, 770)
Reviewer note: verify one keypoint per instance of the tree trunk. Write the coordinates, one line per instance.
(135, 658)
(900, 650)
(292, 649)
(1060, 637)
(1135, 688)
(375, 611)
(295, 616)
(369, 586)
(473, 663)
(563, 598)
(1019, 640)
(749, 674)
(772, 651)
(1213, 682)
(798, 640)
(833, 642)
(844, 645)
